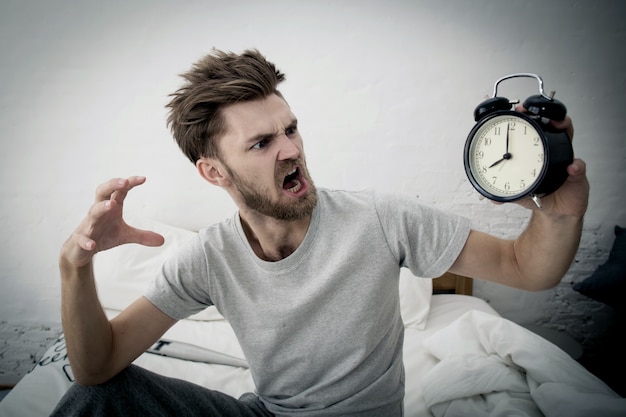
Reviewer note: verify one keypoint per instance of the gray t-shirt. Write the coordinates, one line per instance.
(321, 329)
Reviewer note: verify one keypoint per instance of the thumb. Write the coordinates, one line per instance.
(577, 170)
(145, 237)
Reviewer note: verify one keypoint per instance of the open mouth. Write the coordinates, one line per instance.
(293, 181)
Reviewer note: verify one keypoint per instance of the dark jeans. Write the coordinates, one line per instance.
(139, 392)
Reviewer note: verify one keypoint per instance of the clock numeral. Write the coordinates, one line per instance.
(494, 180)
(497, 130)
(533, 172)
(483, 169)
(522, 184)
(540, 157)
(511, 125)
(487, 142)
(525, 130)
(507, 186)
(536, 141)
(480, 155)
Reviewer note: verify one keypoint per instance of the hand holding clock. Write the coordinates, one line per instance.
(543, 252)
(571, 199)
(537, 171)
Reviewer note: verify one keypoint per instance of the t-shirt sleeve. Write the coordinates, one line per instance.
(180, 288)
(424, 239)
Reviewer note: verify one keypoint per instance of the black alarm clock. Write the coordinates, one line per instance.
(510, 155)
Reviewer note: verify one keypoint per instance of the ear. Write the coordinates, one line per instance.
(213, 171)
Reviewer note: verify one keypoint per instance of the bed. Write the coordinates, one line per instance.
(461, 358)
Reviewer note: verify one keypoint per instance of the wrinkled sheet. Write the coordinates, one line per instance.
(448, 332)
(489, 366)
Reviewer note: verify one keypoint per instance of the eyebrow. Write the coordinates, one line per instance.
(266, 136)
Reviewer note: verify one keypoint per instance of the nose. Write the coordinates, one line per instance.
(288, 148)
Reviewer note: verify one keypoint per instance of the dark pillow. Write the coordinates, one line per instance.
(608, 282)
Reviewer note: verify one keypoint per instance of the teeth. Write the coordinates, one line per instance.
(292, 172)
(296, 187)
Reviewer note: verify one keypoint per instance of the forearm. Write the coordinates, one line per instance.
(86, 328)
(99, 348)
(544, 252)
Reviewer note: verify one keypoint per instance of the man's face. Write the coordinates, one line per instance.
(263, 155)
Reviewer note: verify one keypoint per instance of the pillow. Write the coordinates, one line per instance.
(608, 282)
(415, 295)
(124, 273)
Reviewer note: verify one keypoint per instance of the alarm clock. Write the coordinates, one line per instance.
(510, 155)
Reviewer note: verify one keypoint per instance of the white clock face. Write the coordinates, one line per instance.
(506, 156)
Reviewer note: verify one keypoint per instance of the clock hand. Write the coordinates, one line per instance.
(496, 163)
(507, 139)
(506, 155)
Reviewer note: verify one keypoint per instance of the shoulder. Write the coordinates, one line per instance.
(225, 227)
(350, 206)
(381, 202)
(343, 197)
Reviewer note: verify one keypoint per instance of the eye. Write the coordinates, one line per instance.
(260, 144)
(291, 131)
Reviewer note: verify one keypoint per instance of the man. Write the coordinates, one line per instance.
(307, 278)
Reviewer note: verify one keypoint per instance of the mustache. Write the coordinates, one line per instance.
(287, 166)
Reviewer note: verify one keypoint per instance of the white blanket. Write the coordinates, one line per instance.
(490, 366)
(444, 337)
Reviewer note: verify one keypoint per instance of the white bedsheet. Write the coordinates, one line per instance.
(489, 366)
(39, 391)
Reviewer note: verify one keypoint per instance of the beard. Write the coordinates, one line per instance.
(261, 201)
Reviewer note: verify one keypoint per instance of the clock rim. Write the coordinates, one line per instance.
(544, 168)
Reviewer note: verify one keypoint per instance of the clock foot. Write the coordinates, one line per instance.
(536, 200)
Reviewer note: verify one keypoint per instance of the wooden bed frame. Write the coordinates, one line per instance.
(450, 283)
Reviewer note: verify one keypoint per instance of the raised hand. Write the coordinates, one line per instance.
(572, 198)
(104, 227)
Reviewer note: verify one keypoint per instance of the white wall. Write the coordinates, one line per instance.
(384, 92)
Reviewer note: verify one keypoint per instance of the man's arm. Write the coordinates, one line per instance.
(543, 253)
(99, 349)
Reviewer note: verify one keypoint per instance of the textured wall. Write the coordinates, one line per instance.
(384, 92)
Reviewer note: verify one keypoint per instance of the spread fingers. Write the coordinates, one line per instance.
(117, 188)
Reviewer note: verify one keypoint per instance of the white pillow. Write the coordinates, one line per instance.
(124, 273)
(415, 295)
